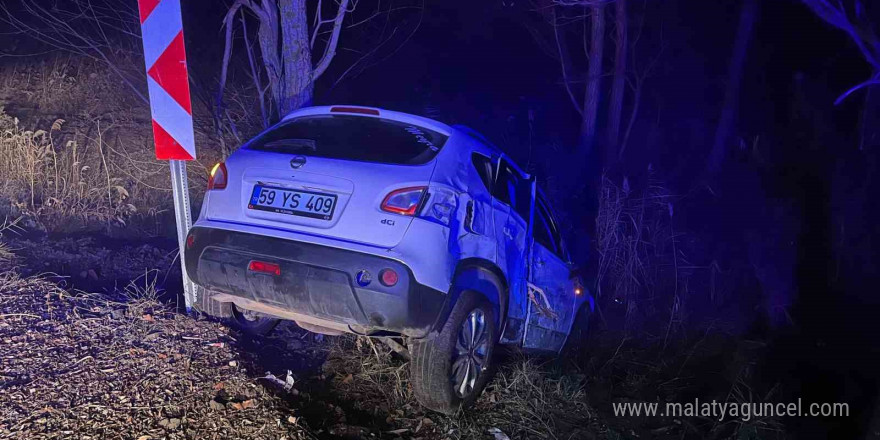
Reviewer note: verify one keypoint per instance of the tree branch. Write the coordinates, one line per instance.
(870, 82)
(317, 24)
(255, 74)
(227, 50)
(866, 41)
(330, 50)
(562, 62)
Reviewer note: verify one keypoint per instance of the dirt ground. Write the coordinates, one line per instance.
(94, 346)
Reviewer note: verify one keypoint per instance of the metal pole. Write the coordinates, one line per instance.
(184, 222)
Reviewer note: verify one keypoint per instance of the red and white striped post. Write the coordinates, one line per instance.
(171, 107)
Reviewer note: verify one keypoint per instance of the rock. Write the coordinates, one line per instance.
(498, 434)
(117, 313)
(173, 423)
(93, 275)
(233, 363)
(215, 405)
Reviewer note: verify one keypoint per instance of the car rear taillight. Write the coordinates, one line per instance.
(404, 201)
(219, 177)
(264, 267)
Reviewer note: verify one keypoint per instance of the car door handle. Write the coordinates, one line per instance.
(508, 233)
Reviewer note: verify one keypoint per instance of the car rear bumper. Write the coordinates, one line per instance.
(318, 284)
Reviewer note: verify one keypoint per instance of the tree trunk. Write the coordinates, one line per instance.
(594, 80)
(615, 108)
(267, 11)
(585, 185)
(296, 83)
(747, 17)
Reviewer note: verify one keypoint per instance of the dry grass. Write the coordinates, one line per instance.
(530, 398)
(526, 399)
(367, 369)
(67, 85)
(641, 265)
(49, 180)
(6, 254)
(77, 152)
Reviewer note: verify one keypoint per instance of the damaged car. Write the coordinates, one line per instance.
(361, 220)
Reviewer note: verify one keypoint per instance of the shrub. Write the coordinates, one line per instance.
(639, 264)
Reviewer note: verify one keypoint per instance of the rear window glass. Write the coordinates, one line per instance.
(352, 138)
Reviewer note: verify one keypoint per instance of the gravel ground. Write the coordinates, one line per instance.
(81, 366)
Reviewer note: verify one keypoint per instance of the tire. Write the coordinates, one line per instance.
(442, 383)
(250, 324)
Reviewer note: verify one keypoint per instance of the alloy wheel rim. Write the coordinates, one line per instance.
(470, 356)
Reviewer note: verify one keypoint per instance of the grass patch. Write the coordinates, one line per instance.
(53, 181)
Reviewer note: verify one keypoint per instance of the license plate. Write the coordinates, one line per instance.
(293, 202)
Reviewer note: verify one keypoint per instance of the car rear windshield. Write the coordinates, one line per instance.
(357, 138)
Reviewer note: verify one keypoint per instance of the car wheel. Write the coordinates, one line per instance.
(252, 323)
(450, 369)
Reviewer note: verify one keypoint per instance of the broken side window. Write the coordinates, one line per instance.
(485, 169)
(512, 190)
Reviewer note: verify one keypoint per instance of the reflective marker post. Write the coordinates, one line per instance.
(183, 215)
(171, 108)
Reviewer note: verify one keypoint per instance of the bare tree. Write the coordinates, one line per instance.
(288, 45)
(615, 106)
(594, 77)
(747, 17)
(562, 16)
(636, 80)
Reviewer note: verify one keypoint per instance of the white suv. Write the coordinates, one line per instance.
(374, 222)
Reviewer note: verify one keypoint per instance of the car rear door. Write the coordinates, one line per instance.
(551, 291)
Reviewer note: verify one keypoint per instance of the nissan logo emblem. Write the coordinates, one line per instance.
(297, 162)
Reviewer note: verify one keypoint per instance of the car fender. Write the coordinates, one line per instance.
(481, 276)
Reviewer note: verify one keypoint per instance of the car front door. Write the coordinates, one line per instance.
(512, 203)
(551, 291)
